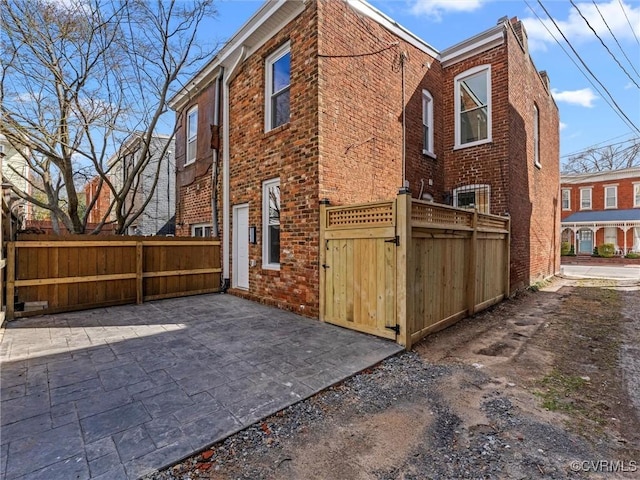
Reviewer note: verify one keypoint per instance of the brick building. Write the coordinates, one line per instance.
(602, 207)
(333, 99)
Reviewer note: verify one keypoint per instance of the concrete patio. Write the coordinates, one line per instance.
(120, 392)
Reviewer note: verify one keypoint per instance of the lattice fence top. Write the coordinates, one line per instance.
(428, 213)
(485, 221)
(373, 215)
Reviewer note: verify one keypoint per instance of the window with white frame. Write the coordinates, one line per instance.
(472, 196)
(566, 199)
(201, 230)
(278, 82)
(473, 106)
(192, 135)
(271, 224)
(611, 235)
(427, 123)
(611, 197)
(585, 199)
(636, 194)
(536, 136)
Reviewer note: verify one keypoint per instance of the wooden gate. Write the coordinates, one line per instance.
(358, 267)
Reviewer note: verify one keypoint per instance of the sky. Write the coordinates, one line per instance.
(586, 115)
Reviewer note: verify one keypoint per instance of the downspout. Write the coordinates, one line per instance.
(214, 165)
(225, 171)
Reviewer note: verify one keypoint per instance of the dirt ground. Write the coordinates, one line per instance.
(544, 385)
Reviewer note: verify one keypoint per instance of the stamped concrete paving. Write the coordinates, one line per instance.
(119, 392)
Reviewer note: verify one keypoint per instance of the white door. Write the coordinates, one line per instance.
(240, 277)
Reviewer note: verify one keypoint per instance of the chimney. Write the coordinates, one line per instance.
(521, 33)
(545, 79)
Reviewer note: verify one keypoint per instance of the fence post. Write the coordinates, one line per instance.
(322, 250)
(403, 230)
(507, 263)
(472, 268)
(139, 277)
(11, 279)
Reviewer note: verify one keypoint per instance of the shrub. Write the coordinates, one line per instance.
(595, 252)
(572, 251)
(632, 255)
(607, 250)
(565, 248)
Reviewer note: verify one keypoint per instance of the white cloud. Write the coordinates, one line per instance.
(563, 126)
(576, 29)
(436, 8)
(583, 97)
(629, 86)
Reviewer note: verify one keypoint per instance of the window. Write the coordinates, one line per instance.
(278, 81)
(636, 194)
(473, 107)
(611, 235)
(536, 136)
(611, 197)
(585, 199)
(472, 196)
(201, 230)
(566, 199)
(271, 224)
(427, 124)
(192, 135)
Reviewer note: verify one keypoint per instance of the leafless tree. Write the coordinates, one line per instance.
(79, 78)
(601, 159)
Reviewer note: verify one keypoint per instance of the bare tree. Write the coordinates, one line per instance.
(79, 78)
(610, 157)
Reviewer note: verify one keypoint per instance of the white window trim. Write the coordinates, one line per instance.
(265, 223)
(200, 225)
(476, 188)
(456, 81)
(636, 192)
(615, 188)
(536, 136)
(427, 119)
(568, 198)
(187, 160)
(269, 61)
(590, 190)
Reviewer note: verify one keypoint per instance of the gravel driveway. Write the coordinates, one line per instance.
(525, 390)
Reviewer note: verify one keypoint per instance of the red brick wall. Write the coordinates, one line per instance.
(101, 206)
(289, 152)
(625, 194)
(360, 103)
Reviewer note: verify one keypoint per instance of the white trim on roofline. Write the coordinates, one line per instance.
(578, 178)
(472, 46)
(393, 26)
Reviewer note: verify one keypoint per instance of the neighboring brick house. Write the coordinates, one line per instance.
(602, 207)
(152, 192)
(306, 102)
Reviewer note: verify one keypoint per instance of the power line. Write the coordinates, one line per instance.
(615, 38)
(604, 45)
(629, 22)
(633, 125)
(629, 124)
(599, 146)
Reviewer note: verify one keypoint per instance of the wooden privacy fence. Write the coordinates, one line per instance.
(58, 274)
(405, 268)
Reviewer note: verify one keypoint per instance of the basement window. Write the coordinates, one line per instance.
(472, 197)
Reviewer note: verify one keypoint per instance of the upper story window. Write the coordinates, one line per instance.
(585, 198)
(566, 199)
(192, 135)
(278, 82)
(636, 194)
(427, 124)
(472, 196)
(536, 136)
(271, 224)
(611, 197)
(473, 107)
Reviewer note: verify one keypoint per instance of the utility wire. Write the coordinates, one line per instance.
(629, 22)
(366, 54)
(599, 145)
(629, 124)
(615, 38)
(604, 44)
(633, 125)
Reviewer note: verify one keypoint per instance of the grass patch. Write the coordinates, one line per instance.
(559, 391)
